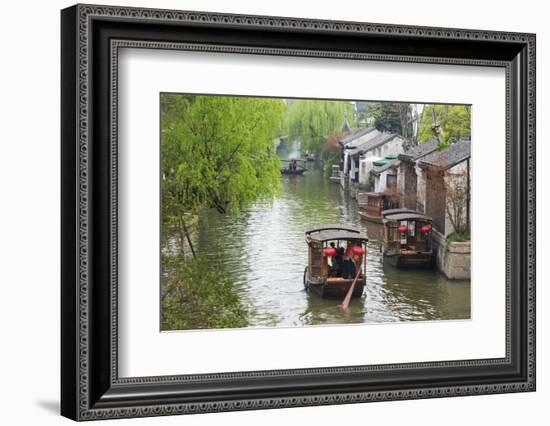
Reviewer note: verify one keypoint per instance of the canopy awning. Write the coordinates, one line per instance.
(333, 235)
(407, 216)
(330, 226)
(396, 211)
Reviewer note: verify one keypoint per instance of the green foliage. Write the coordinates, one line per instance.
(195, 295)
(331, 151)
(455, 122)
(310, 121)
(217, 151)
(459, 237)
(391, 117)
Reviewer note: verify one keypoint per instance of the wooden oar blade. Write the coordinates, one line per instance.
(347, 299)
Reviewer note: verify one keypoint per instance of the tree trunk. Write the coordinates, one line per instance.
(181, 233)
(436, 128)
(182, 221)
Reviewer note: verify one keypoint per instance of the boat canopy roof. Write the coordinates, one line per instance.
(396, 211)
(333, 235)
(371, 194)
(330, 227)
(407, 216)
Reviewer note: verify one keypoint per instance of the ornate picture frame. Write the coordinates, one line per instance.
(91, 37)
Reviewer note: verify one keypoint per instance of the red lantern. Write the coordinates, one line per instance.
(426, 228)
(403, 229)
(329, 251)
(358, 250)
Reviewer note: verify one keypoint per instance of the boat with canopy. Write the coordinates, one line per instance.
(407, 239)
(337, 260)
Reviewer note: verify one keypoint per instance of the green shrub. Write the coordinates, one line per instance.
(459, 238)
(196, 295)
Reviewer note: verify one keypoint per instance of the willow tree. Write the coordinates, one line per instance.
(217, 152)
(445, 122)
(311, 121)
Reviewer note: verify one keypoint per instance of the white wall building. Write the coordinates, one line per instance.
(376, 148)
(384, 174)
(349, 145)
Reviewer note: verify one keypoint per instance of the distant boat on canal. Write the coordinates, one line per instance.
(337, 260)
(285, 171)
(407, 241)
(293, 168)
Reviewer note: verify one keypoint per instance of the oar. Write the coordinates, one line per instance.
(347, 299)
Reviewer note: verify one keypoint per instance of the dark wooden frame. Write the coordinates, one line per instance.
(90, 386)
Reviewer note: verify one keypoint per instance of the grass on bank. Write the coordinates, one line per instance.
(459, 237)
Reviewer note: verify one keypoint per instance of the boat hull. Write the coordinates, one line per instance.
(410, 261)
(292, 172)
(337, 288)
(364, 215)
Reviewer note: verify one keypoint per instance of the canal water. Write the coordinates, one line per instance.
(263, 249)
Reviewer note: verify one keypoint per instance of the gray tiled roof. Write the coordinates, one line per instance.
(372, 143)
(419, 151)
(379, 169)
(357, 135)
(456, 153)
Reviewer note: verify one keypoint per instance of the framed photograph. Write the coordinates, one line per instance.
(263, 212)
